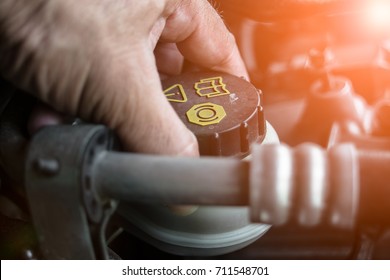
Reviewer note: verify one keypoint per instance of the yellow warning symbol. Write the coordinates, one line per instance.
(211, 87)
(176, 93)
(206, 114)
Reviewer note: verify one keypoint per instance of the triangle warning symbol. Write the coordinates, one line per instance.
(176, 93)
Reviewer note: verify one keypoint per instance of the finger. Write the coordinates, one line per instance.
(130, 100)
(192, 67)
(203, 38)
(169, 60)
(43, 115)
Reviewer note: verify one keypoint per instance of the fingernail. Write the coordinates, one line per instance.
(192, 149)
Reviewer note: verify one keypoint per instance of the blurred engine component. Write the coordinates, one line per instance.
(321, 76)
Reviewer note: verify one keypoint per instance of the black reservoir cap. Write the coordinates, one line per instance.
(222, 110)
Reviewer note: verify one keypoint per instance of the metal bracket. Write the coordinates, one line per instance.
(68, 214)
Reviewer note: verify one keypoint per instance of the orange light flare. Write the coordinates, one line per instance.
(378, 15)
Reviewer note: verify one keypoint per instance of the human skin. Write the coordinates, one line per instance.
(101, 60)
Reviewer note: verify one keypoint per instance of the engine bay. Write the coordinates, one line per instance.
(318, 95)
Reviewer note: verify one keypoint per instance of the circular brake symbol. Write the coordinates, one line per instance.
(206, 114)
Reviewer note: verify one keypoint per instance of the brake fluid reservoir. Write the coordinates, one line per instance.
(226, 116)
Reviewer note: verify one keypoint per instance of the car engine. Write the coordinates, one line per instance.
(295, 163)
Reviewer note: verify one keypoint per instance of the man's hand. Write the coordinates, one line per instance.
(100, 60)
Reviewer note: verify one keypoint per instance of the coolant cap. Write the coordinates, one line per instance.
(222, 110)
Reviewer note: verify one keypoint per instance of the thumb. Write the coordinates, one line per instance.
(138, 110)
